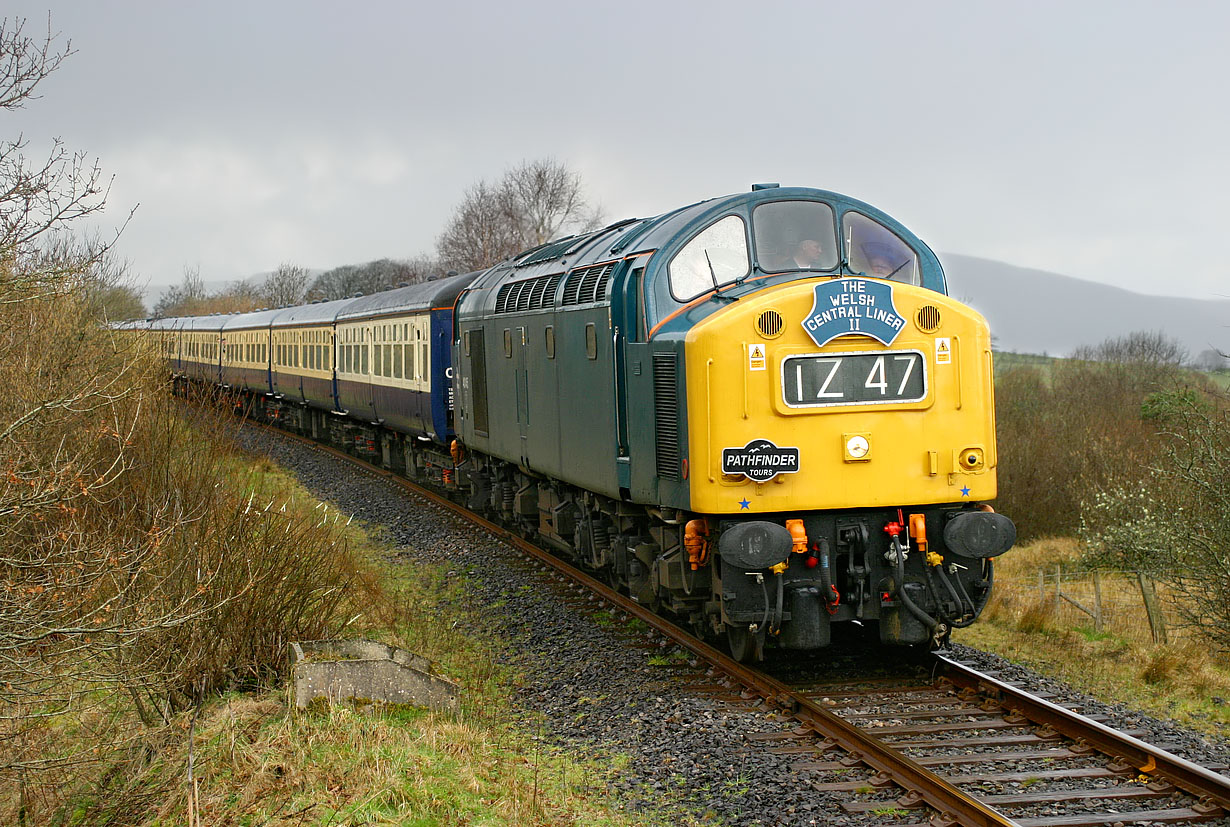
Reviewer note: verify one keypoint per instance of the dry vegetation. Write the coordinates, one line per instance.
(138, 572)
(1125, 454)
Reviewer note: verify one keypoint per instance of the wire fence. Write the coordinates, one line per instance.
(1127, 604)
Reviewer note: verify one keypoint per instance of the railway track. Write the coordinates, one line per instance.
(936, 745)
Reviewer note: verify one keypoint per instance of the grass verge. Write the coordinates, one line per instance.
(252, 759)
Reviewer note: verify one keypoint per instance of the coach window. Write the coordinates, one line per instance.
(397, 354)
(388, 361)
(717, 256)
(591, 341)
(876, 251)
(550, 343)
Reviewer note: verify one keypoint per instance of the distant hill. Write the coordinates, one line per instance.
(1033, 311)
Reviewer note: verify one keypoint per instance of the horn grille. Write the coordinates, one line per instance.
(769, 324)
(928, 318)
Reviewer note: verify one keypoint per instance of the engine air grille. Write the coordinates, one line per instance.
(586, 285)
(666, 414)
(928, 318)
(769, 324)
(527, 294)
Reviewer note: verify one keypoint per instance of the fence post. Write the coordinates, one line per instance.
(1058, 589)
(1157, 623)
(1041, 585)
(1097, 600)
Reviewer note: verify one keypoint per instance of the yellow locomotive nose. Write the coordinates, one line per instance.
(852, 423)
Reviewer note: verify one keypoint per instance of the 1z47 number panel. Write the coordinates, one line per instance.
(859, 378)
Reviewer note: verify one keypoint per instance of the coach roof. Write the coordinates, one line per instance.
(306, 315)
(426, 295)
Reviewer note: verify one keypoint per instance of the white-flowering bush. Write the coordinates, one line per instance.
(1176, 524)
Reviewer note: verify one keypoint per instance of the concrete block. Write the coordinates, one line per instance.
(367, 670)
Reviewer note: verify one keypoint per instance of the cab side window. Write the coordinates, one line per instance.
(716, 256)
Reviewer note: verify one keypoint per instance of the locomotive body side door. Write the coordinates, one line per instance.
(521, 379)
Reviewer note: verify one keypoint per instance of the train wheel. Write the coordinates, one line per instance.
(745, 646)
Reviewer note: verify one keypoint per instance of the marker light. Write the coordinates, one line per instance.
(857, 447)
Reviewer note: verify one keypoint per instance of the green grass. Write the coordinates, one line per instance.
(674, 658)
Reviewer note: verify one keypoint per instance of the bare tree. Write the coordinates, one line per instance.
(482, 231)
(54, 194)
(546, 198)
(183, 299)
(285, 286)
(534, 202)
(28, 60)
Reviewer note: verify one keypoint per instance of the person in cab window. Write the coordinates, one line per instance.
(808, 254)
(880, 261)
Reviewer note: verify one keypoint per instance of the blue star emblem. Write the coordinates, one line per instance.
(744, 503)
(965, 491)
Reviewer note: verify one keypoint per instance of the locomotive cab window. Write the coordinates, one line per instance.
(715, 257)
(795, 235)
(876, 251)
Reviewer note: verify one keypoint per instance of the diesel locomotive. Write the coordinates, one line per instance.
(760, 413)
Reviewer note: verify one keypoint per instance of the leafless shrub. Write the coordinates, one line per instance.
(1139, 349)
(1085, 426)
(372, 277)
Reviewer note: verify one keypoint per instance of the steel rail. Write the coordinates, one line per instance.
(1150, 760)
(919, 783)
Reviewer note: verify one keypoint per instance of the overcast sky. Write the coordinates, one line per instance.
(1086, 138)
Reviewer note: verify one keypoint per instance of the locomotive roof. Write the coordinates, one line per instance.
(424, 295)
(635, 236)
(664, 235)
